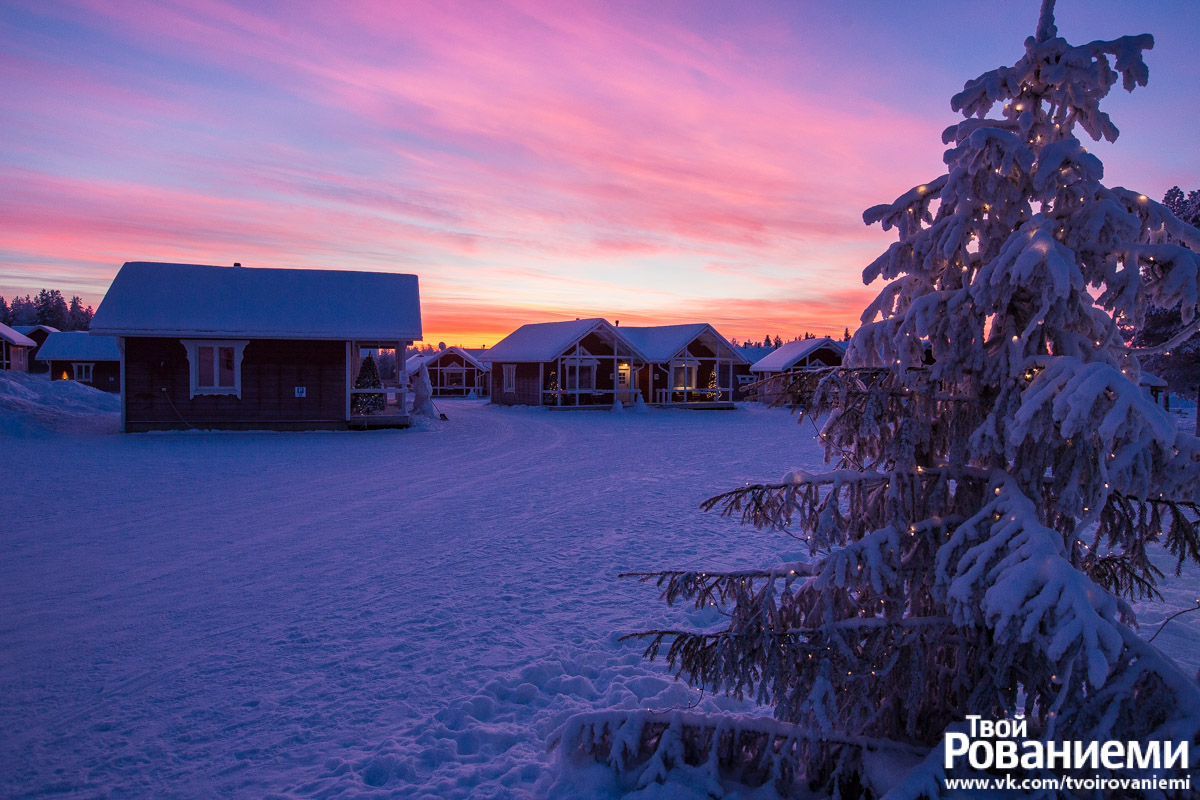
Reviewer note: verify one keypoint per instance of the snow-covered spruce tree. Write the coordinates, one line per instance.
(989, 511)
(1179, 366)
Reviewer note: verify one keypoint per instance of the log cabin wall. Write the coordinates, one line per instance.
(270, 371)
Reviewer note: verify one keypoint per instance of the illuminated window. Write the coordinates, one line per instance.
(683, 376)
(581, 376)
(215, 367)
(83, 372)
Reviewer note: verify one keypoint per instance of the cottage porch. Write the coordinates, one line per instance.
(376, 398)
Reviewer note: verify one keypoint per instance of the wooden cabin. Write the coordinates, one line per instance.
(1156, 387)
(687, 365)
(775, 370)
(583, 363)
(38, 333)
(78, 356)
(250, 349)
(454, 372)
(14, 349)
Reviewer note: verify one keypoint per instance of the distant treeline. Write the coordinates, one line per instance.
(776, 341)
(48, 308)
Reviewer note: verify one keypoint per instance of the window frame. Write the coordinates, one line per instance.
(82, 371)
(193, 354)
(510, 378)
(690, 375)
(574, 376)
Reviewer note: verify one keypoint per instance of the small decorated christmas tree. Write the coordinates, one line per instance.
(1000, 482)
(368, 378)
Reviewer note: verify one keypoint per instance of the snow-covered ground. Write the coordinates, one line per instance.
(382, 614)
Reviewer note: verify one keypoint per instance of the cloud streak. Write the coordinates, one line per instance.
(650, 159)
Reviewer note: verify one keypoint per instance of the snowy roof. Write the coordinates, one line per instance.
(15, 337)
(785, 357)
(662, 342)
(545, 341)
(413, 364)
(28, 329)
(1149, 379)
(79, 346)
(753, 353)
(192, 300)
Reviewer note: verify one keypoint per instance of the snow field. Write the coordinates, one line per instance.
(381, 614)
(352, 615)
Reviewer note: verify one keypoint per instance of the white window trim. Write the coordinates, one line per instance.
(194, 366)
(82, 370)
(510, 378)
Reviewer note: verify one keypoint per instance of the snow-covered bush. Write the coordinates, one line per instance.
(998, 479)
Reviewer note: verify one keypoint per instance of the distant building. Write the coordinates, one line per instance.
(591, 363)
(1156, 387)
(38, 334)
(242, 348)
(687, 365)
(14, 349)
(79, 356)
(774, 370)
(454, 372)
(573, 364)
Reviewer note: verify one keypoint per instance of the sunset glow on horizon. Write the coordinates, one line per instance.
(652, 163)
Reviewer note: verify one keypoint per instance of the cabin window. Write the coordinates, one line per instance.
(83, 372)
(510, 378)
(454, 377)
(215, 366)
(683, 376)
(581, 377)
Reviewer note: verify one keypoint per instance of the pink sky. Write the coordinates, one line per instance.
(648, 162)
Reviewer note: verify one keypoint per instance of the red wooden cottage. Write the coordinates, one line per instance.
(38, 333)
(14, 349)
(687, 365)
(454, 372)
(241, 348)
(774, 370)
(79, 356)
(574, 364)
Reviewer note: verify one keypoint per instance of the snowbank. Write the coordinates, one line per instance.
(33, 403)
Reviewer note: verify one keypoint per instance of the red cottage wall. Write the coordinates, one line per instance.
(271, 369)
(528, 386)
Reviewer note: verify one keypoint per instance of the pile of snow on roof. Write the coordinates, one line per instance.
(197, 300)
(79, 346)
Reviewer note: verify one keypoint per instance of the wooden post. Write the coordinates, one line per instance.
(615, 369)
(349, 378)
(121, 348)
(401, 368)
